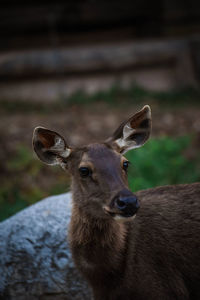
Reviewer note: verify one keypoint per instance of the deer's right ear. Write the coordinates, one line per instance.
(49, 146)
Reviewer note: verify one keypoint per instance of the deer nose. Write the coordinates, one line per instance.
(128, 205)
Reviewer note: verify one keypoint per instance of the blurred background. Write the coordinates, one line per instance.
(82, 67)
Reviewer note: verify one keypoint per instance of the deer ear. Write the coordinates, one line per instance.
(134, 132)
(49, 146)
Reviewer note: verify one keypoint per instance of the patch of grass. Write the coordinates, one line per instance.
(114, 96)
(161, 162)
(27, 182)
(13, 198)
(8, 206)
(118, 95)
(23, 160)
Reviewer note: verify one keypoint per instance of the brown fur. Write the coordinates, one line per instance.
(156, 255)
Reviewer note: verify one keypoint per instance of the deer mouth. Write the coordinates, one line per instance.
(119, 215)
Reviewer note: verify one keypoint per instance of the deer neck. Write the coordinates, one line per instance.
(98, 246)
(85, 229)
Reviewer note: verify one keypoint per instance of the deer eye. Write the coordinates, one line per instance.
(125, 165)
(84, 171)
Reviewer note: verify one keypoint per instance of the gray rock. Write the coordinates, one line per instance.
(35, 260)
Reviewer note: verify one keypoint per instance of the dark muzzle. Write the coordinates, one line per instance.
(127, 203)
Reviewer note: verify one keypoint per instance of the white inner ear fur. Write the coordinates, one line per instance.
(59, 147)
(127, 131)
(124, 142)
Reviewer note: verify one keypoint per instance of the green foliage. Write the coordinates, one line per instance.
(24, 160)
(161, 162)
(7, 204)
(27, 182)
(13, 198)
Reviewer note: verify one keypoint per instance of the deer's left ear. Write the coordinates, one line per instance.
(134, 132)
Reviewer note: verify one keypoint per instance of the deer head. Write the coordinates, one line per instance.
(99, 171)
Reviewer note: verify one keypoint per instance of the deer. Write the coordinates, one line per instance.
(140, 246)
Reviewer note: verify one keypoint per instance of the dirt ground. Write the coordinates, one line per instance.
(83, 124)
